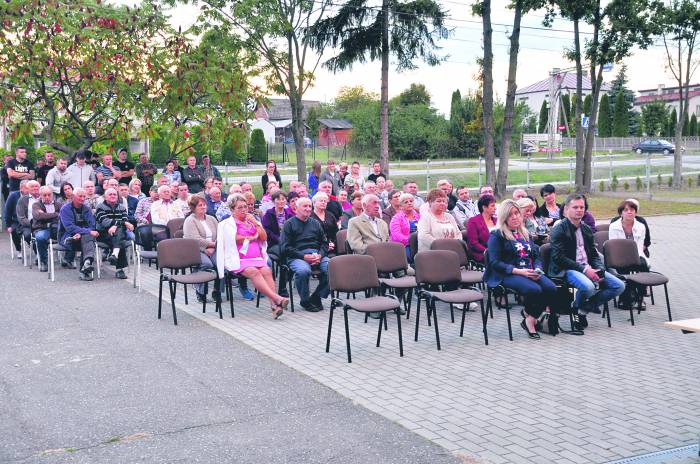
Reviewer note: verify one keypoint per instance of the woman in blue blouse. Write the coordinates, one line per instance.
(514, 262)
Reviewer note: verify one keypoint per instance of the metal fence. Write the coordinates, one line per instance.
(625, 143)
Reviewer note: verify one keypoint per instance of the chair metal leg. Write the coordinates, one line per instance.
(484, 318)
(464, 315)
(330, 326)
(410, 301)
(172, 286)
(229, 290)
(398, 325)
(379, 331)
(437, 332)
(668, 304)
(290, 283)
(418, 298)
(52, 277)
(452, 313)
(632, 312)
(204, 303)
(606, 313)
(347, 334)
(510, 328)
(385, 325)
(160, 294)
(651, 293)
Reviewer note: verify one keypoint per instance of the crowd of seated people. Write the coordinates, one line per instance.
(82, 202)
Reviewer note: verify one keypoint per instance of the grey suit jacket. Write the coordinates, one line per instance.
(361, 233)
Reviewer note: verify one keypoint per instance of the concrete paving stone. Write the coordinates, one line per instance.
(617, 381)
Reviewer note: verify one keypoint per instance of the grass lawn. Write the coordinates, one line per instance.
(604, 207)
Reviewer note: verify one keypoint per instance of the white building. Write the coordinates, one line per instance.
(276, 120)
(533, 95)
(671, 97)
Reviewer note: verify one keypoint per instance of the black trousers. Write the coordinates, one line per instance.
(118, 240)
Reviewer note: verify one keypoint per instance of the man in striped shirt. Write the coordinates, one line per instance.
(114, 229)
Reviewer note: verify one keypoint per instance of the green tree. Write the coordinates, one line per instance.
(686, 125)
(621, 116)
(350, 98)
(587, 103)
(257, 150)
(363, 32)
(678, 23)
(456, 116)
(605, 117)
(693, 129)
(671, 125)
(654, 117)
(84, 68)
(312, 121)
(274, 30)
(416, 94)
(544, 116)
(617, 85)
(573, 122)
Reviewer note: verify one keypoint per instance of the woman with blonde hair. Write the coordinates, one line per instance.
(514, 262)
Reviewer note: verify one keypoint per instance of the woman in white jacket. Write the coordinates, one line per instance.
(629, 228)
(241, 248)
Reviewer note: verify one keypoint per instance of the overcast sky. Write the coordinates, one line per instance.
(541, 50)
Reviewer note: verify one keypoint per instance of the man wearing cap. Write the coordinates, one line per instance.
(209, 169)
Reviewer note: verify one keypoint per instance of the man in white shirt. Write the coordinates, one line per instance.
(164, 209)
(183, 197)
(58, 175)
(411, 187)
(465, 208)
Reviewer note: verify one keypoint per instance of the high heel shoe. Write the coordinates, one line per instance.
(532, 335)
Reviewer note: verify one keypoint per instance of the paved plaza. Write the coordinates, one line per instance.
(611, 394)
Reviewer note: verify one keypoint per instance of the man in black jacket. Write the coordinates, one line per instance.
(306, 247)
(575, 259)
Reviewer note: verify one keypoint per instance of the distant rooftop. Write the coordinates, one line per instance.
(336, 123)
(569, 83)
(280, 108)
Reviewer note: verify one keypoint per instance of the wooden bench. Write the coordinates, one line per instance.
(686, 325)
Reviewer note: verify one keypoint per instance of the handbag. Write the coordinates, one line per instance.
(548, 323)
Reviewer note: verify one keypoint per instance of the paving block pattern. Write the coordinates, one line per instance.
(612, 393)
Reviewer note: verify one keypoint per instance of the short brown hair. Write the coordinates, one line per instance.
(434, 194)
(625, 204)
(195, 200)
(356, 194)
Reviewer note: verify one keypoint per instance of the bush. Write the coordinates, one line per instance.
(639, 184)
(601, 186)
(626, 186)
(659, 181)
(690, 182)
(257, 150)
(697, 181)
(614, 183)
(670, 181)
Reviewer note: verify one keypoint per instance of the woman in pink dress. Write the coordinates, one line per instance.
(241, 249)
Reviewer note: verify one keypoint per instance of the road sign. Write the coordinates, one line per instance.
(607, 67)
(562, 128)
(584, 121)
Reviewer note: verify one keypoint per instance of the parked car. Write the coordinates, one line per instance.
(654, 145)
(529, 148)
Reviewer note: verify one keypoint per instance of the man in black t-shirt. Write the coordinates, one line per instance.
(125, 166)
(19, 168)
(376, 172)
(42, 172)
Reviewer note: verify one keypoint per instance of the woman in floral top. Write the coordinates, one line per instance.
(514, 262)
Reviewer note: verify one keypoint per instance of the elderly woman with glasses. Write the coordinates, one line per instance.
(404, 222)
(328, 221)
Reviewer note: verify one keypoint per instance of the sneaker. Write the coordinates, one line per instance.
(43, 267)
(375, 315)
(120, 274)
(201, 298)
(67, 265)
(112, 259)
(87, 276)
(87, 266)
(247, 294)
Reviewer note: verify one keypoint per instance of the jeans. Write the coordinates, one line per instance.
(119, 239)
(302, 274)
(536, 292)
(42, 242)
(588, 297)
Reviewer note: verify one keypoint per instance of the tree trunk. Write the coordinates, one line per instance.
(683, 107)
(297, 113)
(590, 133)
(579, 108)
(502, 181)
(384, 111)
(487, 97)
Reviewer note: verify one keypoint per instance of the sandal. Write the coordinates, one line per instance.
(277, 311)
